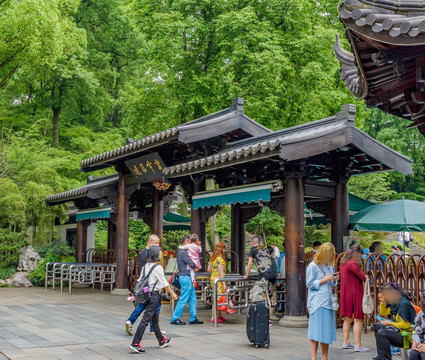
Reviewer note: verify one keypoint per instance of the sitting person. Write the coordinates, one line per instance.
(193, 250)
(394, 303)
(418, 347)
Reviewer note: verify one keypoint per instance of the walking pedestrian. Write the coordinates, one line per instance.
(321, 277)
(394, 303)
(156, 282)
(352, 279)
(153, 240)
(188, 294)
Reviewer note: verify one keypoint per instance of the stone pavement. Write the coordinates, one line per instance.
(43, 325)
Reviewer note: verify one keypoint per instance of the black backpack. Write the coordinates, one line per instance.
(141, 291)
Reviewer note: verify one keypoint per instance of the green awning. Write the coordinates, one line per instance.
(234, 195)
(94, 214)
(174, 221)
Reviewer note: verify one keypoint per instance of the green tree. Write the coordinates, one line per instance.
(32, 32)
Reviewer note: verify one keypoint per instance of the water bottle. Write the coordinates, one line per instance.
(415, 337)
(405, 336)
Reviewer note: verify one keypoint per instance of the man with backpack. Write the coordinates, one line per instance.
(153, 240)
(265, 266)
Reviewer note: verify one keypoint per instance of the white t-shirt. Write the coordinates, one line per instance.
(157, 276)
(276, 252)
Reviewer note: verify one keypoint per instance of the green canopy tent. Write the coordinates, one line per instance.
(396, 216)
(174, 221)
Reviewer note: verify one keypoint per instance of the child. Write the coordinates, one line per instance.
(418, 347)
(193, 250)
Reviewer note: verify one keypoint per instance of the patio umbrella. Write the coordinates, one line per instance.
(399, 215)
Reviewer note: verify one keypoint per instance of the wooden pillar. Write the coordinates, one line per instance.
(340, 216)
(121, 246)
(157, 214)
(197, 226)
(295, 258)
(112, 235)
(237, 237)
(81, 243)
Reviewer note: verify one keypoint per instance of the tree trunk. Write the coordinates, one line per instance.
(55, 126)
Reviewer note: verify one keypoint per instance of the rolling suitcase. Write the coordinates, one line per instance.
(257, 324)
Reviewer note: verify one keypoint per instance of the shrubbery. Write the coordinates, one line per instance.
(55, 252)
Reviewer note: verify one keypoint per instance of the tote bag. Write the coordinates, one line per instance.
(367, 304)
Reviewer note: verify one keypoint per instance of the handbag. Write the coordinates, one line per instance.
(221, 300)
(174, 280)
(367, 302)
(333, 297)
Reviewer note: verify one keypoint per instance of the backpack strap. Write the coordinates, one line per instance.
(150, 271)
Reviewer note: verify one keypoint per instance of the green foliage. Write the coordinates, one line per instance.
(267, 223)
(138, 234)
(10, 247)
(7, 272)
(56, 252)
(311, 234)
(171, 239)
(374, 187)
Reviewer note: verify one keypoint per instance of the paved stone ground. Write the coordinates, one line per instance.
(45, 325)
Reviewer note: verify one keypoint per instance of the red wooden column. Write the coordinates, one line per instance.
(295, 258)
(157, 214)
(340, 216)
(81, 244)
(197, 226)
(121, 246)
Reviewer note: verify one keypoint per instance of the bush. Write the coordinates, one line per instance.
(138, 234)
(171, 239)
(311, 235)
(11, 244)
(7, 272)
(55, 252)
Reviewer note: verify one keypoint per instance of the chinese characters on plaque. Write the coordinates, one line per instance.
(146, 168)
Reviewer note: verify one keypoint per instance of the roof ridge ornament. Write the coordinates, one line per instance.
(348, 112)
(237, 104)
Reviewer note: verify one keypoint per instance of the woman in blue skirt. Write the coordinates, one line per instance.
(321, 277)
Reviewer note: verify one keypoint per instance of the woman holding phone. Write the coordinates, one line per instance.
(321, 277)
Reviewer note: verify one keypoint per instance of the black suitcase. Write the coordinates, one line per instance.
(257, 324)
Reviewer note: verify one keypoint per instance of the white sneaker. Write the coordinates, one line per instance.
(129, 328)
(162, 332)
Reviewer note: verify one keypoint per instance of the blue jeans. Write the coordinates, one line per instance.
(188, 295)
(139, 309)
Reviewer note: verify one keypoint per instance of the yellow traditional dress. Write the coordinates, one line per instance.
(214, 272)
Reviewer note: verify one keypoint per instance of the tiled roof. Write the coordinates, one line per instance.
(395, 18)
(220, 120)
(83, 190)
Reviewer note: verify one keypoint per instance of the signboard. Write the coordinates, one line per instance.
(146, 168)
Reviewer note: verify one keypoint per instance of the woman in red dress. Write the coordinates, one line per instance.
(352, 279)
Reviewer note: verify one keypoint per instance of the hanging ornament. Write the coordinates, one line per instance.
(161, 185)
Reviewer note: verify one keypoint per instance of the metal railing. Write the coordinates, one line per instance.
(82, 273)
(238, 288)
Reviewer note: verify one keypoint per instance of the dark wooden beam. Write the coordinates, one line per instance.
(122, 237)
(157, 214)
(81, 243)
(237, 239)
(294, 244)
(340, 216)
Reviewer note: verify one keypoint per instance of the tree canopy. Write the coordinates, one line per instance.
(77, 77)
